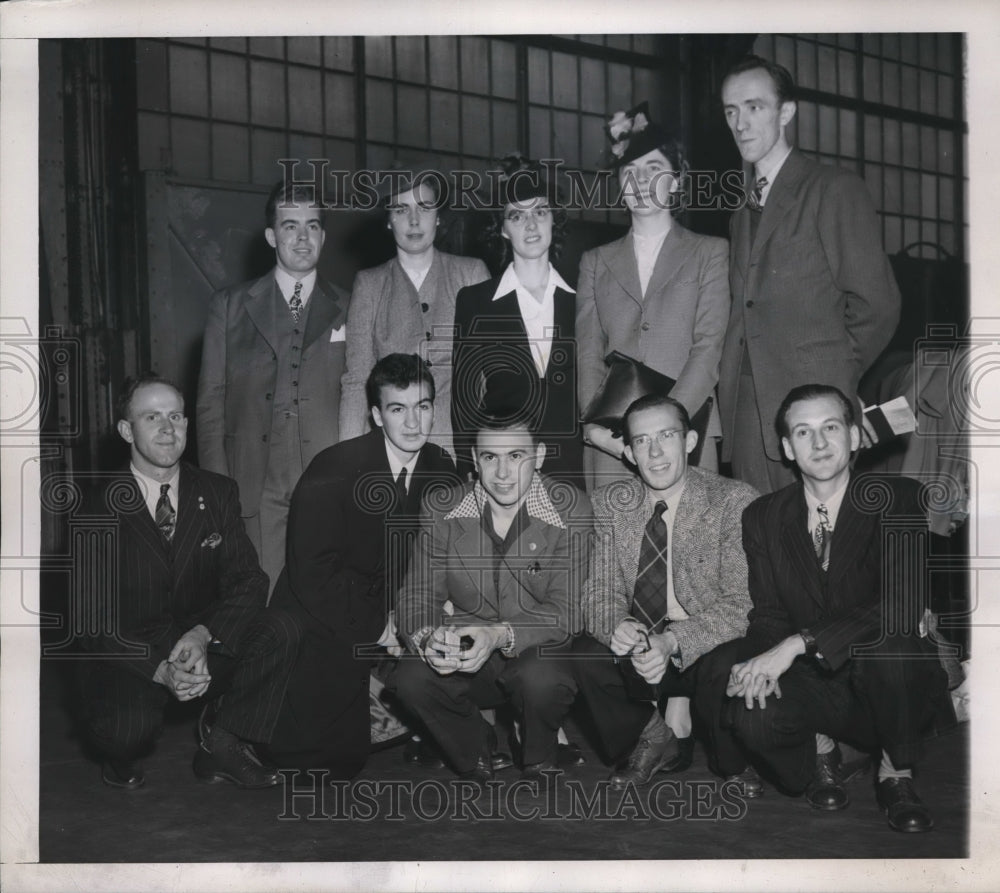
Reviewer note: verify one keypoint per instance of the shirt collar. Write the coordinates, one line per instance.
(652, 497)
(286, 284)
(832, 505)
(510, 282)
(395, 466)
(150, 487)
(772, 170)
(538, 504)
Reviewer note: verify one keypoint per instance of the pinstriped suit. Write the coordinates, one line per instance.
(208, 574)
(874, 679)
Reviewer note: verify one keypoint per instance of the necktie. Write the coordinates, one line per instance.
(401, 489)
(295, 304)
(756, 194)
(822, 536)
(649, 599)
(166, 517)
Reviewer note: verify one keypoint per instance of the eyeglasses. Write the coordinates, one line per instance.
(644, 441)
(519, 218)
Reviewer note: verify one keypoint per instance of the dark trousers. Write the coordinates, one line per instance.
(540, 687)
(881, 700)
(620, 701)
(125, 711)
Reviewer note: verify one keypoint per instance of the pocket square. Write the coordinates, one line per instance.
(338, 334)
(212, 541)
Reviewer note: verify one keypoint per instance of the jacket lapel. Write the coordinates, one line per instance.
(798, 547)
(687, 530)
(852, 535)
(325, 310)
(474, 551)
(261, 305)
(630, 524)
(780, 200)
(191, 519)
(620, 258)
(676, 248)
(135, 516)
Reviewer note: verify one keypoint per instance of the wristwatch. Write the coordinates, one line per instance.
(810, 640)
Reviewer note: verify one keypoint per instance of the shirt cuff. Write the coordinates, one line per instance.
(509, 648)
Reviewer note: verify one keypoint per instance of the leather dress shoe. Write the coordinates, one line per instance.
(223, 757)
(569, 756)
(685, 754)
(648, 757)
(482, 772)
(424, 752)
(533, 771)
(904, 809)
(501, 760)
(749, 781)
(826, 789)
(122, 774)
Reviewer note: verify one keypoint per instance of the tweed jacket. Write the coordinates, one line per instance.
(386, 316)
(676, 328)
(208, 573)
(814, 297)
(845, 606)
(239, 369)
(539, 578)
(708, 564)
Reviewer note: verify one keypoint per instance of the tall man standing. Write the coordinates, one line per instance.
(269, 390)
(833, 649)
(814, 297)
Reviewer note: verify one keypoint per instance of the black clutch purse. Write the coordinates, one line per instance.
(625, 382)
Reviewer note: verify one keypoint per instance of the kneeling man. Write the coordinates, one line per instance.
(488, 600)
(834, 631)
(668, 582)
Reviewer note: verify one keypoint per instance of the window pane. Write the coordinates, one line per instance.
(827, 69)
(230, 153)
(153, 140)
(893, 235)
(234, 44)
(444, 121)
(908, 48)
(784, 52)
(846, 73)
(911, 193)
(412, 111)
(848, 133)
(872, 44)
(444, 61)
(594, 142)
(827, 129)
(806, 135)
(890, 83)
(378, 110)
(945, 155)
(504, 64)
(267, 147)
(229, 88)
(504, 128)
(378, 56)
(564, 81)
(188, 81)
(475, 126)
(929, 233)
(410, 59)
(566, 137)
(928, 148)
(911, 146)
(805, 70)
(873, 79)
(946, 87)
(947, 198)
(928, 50)
(538, 75)
(267, 93)
(873, 180)
(619, 87)
(339, 105)
(305, 147)
(303, 91)
(338, 52)
(928, 92)
(911, 231)
(306, 50)
(890, 46)
(893, 151)
(151, 75)
(648, 86)
(475, 64)
(873, 138)
(945, 44)
(892, 202)
(928, 195)
(539, 137)
(592, 86)
(911, 90)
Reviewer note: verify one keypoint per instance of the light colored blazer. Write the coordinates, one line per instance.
(814, 298)
(709, 565)
(239, 368)
(386, 317)
(677, 328)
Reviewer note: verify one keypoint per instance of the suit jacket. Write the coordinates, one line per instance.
(493, 365)
(677, 328)
(843, 606)
(239, 368)
(386, 317)
(207, 574)
(336, 571)
(539, 578)
(708, 564)
(814, 298)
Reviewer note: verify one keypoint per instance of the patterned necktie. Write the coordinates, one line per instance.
(822, 536)
(756, 194)
(295, 304)
(166, 517)
(649, 599)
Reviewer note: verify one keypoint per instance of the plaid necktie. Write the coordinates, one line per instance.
(649, 599)
(295, 304)
(822, 536)
(166, 517)
(756, 194)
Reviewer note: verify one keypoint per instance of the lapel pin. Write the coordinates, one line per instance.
(211, 541)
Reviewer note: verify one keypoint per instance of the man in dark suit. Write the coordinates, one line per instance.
(667, 583)
(814, 298)
(489, 598)
(189, 617)
(350, 530)
(269, 390)
(835, 648)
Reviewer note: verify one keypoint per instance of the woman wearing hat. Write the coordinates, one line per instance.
(514, 335)
(660, 295)
(406, 305)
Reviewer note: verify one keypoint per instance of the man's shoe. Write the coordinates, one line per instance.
(423, 751)
(905, 810)
(826, 789)
(483, 771)
(749, 781)
(223, 757)
(122, 774)
(648, 757)
(569, 756)
(685, 754)
(501, 760)
(533, 771)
